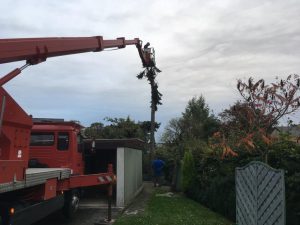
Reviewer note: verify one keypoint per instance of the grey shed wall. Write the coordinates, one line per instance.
(129, 175)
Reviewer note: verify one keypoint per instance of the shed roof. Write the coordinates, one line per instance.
(134, 143)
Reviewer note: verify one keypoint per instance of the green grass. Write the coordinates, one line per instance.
(177, 210)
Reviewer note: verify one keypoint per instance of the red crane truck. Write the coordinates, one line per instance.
(42, 166)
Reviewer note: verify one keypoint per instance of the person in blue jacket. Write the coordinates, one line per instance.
(157, 166)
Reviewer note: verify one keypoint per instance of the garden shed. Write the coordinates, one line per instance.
(126, 157)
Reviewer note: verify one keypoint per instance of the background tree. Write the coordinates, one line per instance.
(120, 128)
(94, 130)
(172, 150)
(146, 128)
(191, 131)
(173, 132)
(197, 121)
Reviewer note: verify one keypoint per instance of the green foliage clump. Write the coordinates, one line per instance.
(188, 171)
(120, 128)
(286, 155)
(151, 73)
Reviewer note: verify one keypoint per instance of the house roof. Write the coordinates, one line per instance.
(293, 130)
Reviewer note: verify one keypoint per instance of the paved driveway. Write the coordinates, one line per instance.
(82, 217)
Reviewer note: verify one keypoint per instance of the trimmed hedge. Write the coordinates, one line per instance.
(188, 171)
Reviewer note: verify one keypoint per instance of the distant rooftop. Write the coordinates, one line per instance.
(293, 130)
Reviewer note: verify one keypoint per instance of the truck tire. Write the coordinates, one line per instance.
(4, 219)
(5, 216)
(71, 203)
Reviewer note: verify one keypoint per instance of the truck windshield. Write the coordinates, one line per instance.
(41, 139)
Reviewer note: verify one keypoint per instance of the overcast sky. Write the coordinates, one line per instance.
(202, 47)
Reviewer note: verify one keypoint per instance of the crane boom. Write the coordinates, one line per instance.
(37, 50)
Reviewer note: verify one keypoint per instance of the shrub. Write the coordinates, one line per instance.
(188, 171)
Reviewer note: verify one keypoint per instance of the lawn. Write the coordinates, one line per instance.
(176, 210)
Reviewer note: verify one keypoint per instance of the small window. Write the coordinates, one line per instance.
(41, 139)
(63, 142)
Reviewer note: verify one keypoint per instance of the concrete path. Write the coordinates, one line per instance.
(140, 202)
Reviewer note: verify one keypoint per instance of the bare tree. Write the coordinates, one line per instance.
(259, 113)
(271, 102)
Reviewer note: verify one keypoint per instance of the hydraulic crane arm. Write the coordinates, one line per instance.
(37, 50)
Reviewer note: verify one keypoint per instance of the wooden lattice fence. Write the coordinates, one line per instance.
(260, 195)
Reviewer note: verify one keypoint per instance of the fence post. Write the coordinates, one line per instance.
(109, 196)
(110, 190)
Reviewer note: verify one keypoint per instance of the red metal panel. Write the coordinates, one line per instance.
(89, 180)
(85, 181)
(15, 130)
(14, 140)
(41, 192)
(11, 170)
(76, 157)
(50, 189)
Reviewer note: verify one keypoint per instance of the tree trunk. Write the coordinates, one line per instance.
(152, 131)
(152, 139)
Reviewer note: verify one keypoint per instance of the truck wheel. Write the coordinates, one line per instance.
(5, 217)
(71, 204)
(4, 220)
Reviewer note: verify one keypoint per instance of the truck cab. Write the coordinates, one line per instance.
(55, 143)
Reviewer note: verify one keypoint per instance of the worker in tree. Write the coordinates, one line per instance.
(157, 166)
